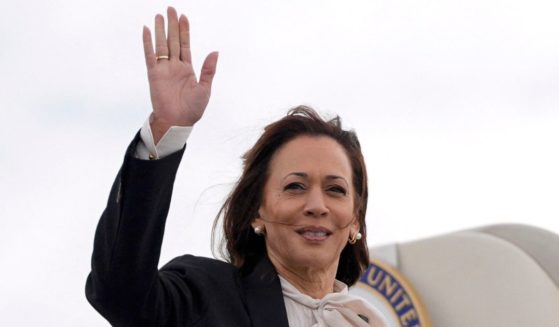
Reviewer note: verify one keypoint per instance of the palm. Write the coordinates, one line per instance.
(176, 94)
(178, 98)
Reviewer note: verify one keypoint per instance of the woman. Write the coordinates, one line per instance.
(294, 225)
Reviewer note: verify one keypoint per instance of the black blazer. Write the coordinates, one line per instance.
(125, 285)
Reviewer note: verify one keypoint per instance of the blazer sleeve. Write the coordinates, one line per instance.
(124, 284)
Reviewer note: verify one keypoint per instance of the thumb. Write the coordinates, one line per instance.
(208, 70)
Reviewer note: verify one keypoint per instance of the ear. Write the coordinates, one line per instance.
(257, 221)
(355, 226)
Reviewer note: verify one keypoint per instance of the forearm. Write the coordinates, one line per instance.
(129, 236)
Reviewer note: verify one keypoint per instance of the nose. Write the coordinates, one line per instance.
(315, 205)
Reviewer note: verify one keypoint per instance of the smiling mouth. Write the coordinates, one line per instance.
(314, 234)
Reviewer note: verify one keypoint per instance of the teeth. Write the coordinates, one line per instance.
(315, 234)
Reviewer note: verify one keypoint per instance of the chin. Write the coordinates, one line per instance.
(315, 259)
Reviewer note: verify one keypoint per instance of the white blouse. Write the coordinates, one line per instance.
(337, 309)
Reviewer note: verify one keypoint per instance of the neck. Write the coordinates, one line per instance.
(312, 281)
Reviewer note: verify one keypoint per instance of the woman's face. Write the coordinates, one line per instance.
(308, 203)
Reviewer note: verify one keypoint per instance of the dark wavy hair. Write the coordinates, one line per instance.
(243, 248)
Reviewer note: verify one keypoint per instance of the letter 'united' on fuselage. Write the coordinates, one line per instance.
(392, 294)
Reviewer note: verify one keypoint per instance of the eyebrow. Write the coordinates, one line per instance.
(306, 176)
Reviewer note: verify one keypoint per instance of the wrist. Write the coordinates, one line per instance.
(158, 127)
(166, 120)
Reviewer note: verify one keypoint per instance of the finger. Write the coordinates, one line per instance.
(148, 48)
(208, 70)
(173, 32)
(184, 33)
(161, 48)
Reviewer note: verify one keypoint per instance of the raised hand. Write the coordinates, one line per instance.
(177, 97)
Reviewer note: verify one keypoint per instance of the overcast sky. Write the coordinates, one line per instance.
(456, 104)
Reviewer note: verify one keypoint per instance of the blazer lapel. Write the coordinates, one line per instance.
(264, 296)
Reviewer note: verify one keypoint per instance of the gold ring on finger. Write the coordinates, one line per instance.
(161, 57)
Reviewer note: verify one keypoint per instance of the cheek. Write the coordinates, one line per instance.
(346, 216)
(278, 232)
(280, 209)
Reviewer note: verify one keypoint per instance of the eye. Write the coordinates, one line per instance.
(337, 189)
(294, 187)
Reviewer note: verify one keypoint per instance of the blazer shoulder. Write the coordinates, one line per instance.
(214, 284)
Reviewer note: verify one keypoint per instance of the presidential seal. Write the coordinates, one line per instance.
(392, 294)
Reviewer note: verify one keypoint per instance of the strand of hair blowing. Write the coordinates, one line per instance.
(336, 228)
